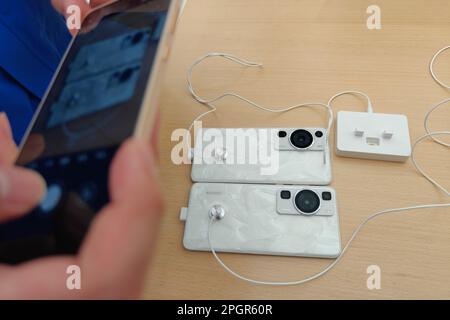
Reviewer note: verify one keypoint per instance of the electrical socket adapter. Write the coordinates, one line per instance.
(375, 136)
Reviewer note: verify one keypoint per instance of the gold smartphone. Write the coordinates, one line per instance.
(104, 91)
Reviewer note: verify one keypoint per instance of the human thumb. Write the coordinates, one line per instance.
(20, 190)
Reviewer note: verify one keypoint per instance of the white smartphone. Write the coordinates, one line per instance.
(105, 91)
(263, 219)
(262, 155)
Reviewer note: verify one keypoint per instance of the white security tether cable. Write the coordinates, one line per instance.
(353, 92)
(433, 74)
(247, 63)
(429, 134)
(332, 264)
(444, 102)
(442, 84)
(427, 116)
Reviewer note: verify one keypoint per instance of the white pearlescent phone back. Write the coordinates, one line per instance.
(252, 224)
(293, 167)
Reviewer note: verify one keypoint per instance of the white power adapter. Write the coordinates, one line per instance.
(375, 136)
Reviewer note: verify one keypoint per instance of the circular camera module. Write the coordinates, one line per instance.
(301, 139)
(307, 202)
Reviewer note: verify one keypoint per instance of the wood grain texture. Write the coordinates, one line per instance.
(311, 50)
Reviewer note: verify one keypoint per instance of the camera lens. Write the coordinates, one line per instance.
(319, 134)
(307, 201)
(285, 194)
(301, 139)
(282, 134)
(326, 196)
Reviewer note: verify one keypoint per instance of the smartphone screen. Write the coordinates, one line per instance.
(91, 108)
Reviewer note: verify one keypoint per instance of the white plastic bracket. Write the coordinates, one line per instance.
(376, 136)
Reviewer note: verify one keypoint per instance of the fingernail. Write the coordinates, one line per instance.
(20, 189)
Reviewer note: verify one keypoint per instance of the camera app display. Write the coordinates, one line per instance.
(92, 106)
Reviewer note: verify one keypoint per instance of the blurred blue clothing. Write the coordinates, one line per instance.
(33, 39)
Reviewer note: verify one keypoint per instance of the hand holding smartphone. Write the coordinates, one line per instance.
(104, 92)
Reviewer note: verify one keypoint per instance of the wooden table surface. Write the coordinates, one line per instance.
(311, 50)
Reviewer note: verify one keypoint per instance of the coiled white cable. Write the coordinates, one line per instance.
(248, 63)
(419, 169)
(332, 264)
(426, 120)
(433, 74)
(353, 92)
(442, 84)
(213, 108)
